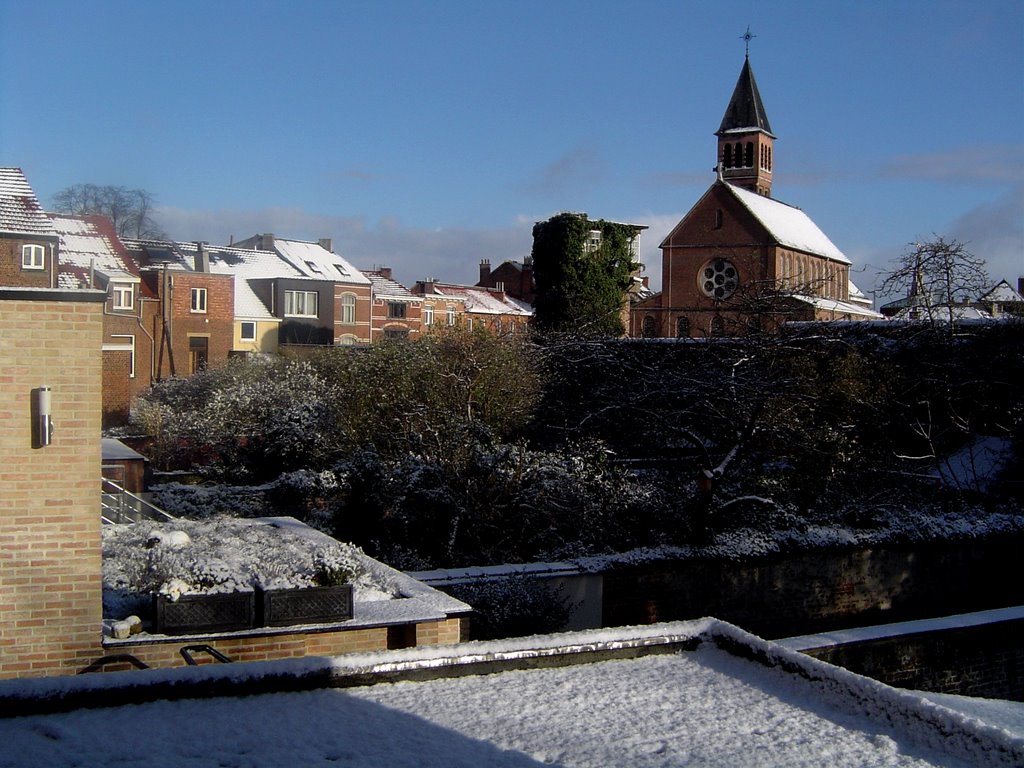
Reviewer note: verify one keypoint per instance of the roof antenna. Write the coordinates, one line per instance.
(746, 37)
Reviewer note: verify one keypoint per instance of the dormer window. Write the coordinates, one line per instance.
(33, 257)
(123, 296)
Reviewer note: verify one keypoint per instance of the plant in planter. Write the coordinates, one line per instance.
(327, 600)
(224, 574)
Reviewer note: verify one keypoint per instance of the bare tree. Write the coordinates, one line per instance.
(130, 210)
(935, 276)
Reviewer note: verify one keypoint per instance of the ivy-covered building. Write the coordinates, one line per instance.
(584, 272)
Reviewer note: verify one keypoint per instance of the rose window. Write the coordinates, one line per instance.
(719, 279)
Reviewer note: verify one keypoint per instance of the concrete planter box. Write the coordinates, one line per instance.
(306, 605)
(197, 614)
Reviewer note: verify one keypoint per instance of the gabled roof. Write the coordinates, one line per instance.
(382, 287)
(745, 112)
(483, 301)
(20, 211)
(313, 260)
(788, 226)
(1002, 293)
(89, 243)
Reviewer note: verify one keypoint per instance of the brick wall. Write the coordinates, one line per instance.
(255, 647)
(50, 589)
(985, 661)
(11, 272)
(817, 591)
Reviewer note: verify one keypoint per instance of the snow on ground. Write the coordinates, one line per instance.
(704, 707)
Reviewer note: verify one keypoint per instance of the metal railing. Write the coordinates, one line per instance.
(120, 506)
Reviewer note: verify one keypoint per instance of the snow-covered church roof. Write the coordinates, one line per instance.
(789, 226)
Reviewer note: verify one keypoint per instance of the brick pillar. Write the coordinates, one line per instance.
(50, 551)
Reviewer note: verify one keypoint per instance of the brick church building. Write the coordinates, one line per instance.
(741, 261)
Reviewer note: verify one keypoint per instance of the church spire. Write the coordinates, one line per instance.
(745, 138)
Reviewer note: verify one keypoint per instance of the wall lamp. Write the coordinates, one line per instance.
(42, 420)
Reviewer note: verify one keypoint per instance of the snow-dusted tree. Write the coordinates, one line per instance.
(130, 210)
(935, 277)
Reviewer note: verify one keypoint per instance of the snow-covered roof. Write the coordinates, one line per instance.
(1002, 293)
(788, 226)
(20, 211)
(90, 243)
(383, 287)
(841, 307)
(483, 301)
(760, 705)
(313, 260)
(942, 313)
(115, 450)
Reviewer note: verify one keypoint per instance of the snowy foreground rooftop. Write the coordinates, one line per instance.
(706, 694)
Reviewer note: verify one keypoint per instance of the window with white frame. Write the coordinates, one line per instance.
(428, 315)
(300, 304)
(450, 315)
(33, 257)
(122, 296)
(348, 308)
(125, 343)
(198, 299)
(247, 332)
(593, 241)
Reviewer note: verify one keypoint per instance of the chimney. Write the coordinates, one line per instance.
(265, 242)
(485, 271)
(202, 261)
(384, 272)
(326, 243)
(499, 286)
(1020, 285)
(428, 285)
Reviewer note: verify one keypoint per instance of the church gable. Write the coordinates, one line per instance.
(718, 220)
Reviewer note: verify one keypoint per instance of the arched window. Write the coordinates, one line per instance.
(717, 326)
(769, 158)
(682, 327)
(647, 330)
(348, 308)
(727, 156)
(749, 155)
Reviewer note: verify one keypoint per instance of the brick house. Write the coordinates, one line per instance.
(513, 277)
(193, 324)
(396, 312)
(471, 307)
(92, 256)
(740, 260)
(28, 242)
(333, 308)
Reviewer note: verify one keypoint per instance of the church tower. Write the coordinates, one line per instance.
(745, 139)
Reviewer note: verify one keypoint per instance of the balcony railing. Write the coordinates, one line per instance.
(120, 506)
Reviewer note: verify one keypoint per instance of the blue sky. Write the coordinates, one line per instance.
(429, 135)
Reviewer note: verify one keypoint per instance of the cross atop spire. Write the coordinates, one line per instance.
(746, 37)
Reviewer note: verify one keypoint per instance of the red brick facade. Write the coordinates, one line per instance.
(12, 271)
